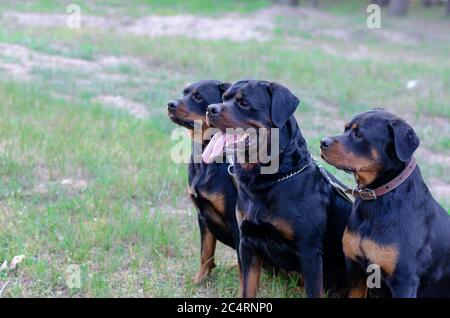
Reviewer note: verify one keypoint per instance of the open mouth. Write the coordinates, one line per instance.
(231, 139)
(222, 143)
(188, 123)
(217, 146)
(340, 167)
(209, 123)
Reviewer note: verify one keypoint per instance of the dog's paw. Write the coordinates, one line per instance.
(199, 277)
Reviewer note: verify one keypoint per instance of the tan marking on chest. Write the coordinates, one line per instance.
(384, 256)
(283, 227)
(355, 247)
(215, 208)
(216, 200)
(351, 244)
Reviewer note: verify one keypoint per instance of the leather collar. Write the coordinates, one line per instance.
(369, 194)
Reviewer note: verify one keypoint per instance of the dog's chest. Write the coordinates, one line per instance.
(211, 202)
(272, 235)
(366, 250)
(259, 221)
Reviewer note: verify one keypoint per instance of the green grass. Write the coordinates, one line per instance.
(123, 216)
(141, 7)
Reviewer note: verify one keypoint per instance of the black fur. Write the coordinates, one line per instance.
(408, 218)
(311, 213)
(207, 180)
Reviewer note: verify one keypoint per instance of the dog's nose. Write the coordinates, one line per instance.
(173, 104)
(326, 142)
(214, 109)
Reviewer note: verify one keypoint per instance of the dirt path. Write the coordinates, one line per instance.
(233, 27)
(119, 102)
(20, 62)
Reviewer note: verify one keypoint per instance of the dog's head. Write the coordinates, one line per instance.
(195, 101)
(253, 104)
(253, 108)
(373, 144)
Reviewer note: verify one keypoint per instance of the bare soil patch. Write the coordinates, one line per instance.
(45, 179)
(19, 62)
(49, 20)
(234, 27)
(119, 102)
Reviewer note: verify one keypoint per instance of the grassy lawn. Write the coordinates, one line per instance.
(140, 7)
(83, 182)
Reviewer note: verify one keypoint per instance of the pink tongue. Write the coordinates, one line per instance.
(216, 146)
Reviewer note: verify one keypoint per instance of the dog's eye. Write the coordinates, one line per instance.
(358, 134)
(197, 97)
(243, 103)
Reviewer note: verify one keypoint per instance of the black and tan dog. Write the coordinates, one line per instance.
(210, 187)
(396, 223)
(294, 217)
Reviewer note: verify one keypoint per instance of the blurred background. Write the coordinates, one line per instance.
(86, 177)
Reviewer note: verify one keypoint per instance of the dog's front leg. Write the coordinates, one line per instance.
(357, 278)
(207, 250)
(404, 285)
(251, 264)
(311, 264)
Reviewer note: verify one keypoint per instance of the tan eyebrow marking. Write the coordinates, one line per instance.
(355, 126)
(347, 126)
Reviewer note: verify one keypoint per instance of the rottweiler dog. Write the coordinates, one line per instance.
(396, 223)
(210, 187)
(292, 217)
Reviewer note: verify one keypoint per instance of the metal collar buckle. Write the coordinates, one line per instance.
(230, 170)
(365, 194)
(230, 167)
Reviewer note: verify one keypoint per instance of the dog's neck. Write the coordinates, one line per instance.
(293, 148)
(393, 170)
(198, 144)
(293, 155)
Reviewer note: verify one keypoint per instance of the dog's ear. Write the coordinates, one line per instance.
(223, 87)
(405, 139)
(284, 104)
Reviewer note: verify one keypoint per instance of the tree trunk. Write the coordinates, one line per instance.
(287, 2)
(426, 3)
(448, 8)
(314, 3)
(381, 3)
(398, 7)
